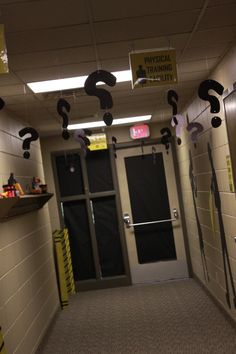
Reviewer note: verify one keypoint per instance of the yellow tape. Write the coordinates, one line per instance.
(60, 269)
(64, 266)
(2, 345)
(68, 264)
(230, 174)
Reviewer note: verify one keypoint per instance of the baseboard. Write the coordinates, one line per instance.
(216, 302)
(47, 331)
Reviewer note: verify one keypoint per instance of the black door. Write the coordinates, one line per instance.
(147, 185)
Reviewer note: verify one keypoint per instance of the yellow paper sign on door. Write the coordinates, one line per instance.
(98, 141)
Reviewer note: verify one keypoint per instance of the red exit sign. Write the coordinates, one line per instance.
(139, 131)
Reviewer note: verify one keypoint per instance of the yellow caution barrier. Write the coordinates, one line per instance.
(64, 266)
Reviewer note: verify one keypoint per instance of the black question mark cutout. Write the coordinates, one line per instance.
(27, 141)
(103, 95)
(170, 95)
(61, 105)
(2, 103)
(114, 141)
(203, 89)
(166, 134)
(80, 136)
(194, 134)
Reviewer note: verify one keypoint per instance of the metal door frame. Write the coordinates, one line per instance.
(157, 141)
(98, 283)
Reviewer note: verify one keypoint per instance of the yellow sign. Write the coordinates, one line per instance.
(230, 173)
(3, 52)
(153, 68)
(98, 142)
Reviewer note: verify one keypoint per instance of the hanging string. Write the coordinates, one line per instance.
(57, 64)
(169, 42)
(194, 30)
(25, 104)
(93, 35)
(132, 46)
(74, 99)
(154, 155)
(207, 67)
(142, 150)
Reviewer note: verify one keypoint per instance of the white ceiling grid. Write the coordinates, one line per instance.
(51, 39)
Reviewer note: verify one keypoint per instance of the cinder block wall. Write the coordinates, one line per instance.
(28, 289)
(199, 111)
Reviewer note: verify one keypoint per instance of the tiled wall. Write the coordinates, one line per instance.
(198, 111)
(28, 289)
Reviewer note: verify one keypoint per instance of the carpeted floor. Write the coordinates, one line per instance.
(175, 317)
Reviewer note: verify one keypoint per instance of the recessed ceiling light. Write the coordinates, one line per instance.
(72, 82)
(100, 123)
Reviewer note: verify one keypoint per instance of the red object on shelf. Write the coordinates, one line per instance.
(9, 190)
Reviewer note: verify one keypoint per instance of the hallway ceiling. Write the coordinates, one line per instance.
(52, 39)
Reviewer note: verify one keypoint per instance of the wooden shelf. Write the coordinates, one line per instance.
(10, 207)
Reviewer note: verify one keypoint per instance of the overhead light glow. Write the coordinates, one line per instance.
(100, 123)
(72, 82)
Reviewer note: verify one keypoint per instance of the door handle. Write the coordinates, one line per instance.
(126, 219)
(128, 224)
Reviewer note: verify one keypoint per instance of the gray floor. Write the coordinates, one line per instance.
(175, 317)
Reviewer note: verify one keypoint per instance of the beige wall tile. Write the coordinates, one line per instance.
(32, 338)
(27, 273)
(217, 138)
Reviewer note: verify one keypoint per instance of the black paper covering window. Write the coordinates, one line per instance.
(99, 174)
(99, 171)
(70, 183)
(108, 239)
(149, 202)
(76, 220)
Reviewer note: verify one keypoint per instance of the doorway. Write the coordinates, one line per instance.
(150, 208)
(88, 198)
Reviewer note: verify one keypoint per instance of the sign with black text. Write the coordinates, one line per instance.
(153, 68)
(98, 141)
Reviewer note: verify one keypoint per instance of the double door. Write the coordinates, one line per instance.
(98, 193)
(90, 209)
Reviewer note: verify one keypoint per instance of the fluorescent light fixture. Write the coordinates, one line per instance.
(100, 123)
(72, 82)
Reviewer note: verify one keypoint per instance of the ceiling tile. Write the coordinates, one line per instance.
(107, 10)
(48, 39)
(43, 14)
(52, 58)
(219, 16)
(205, 37)
(151, 26)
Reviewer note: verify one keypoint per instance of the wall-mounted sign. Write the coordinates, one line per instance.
(139, 131)
(3, 52)
(98, 141)
(153, 67)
